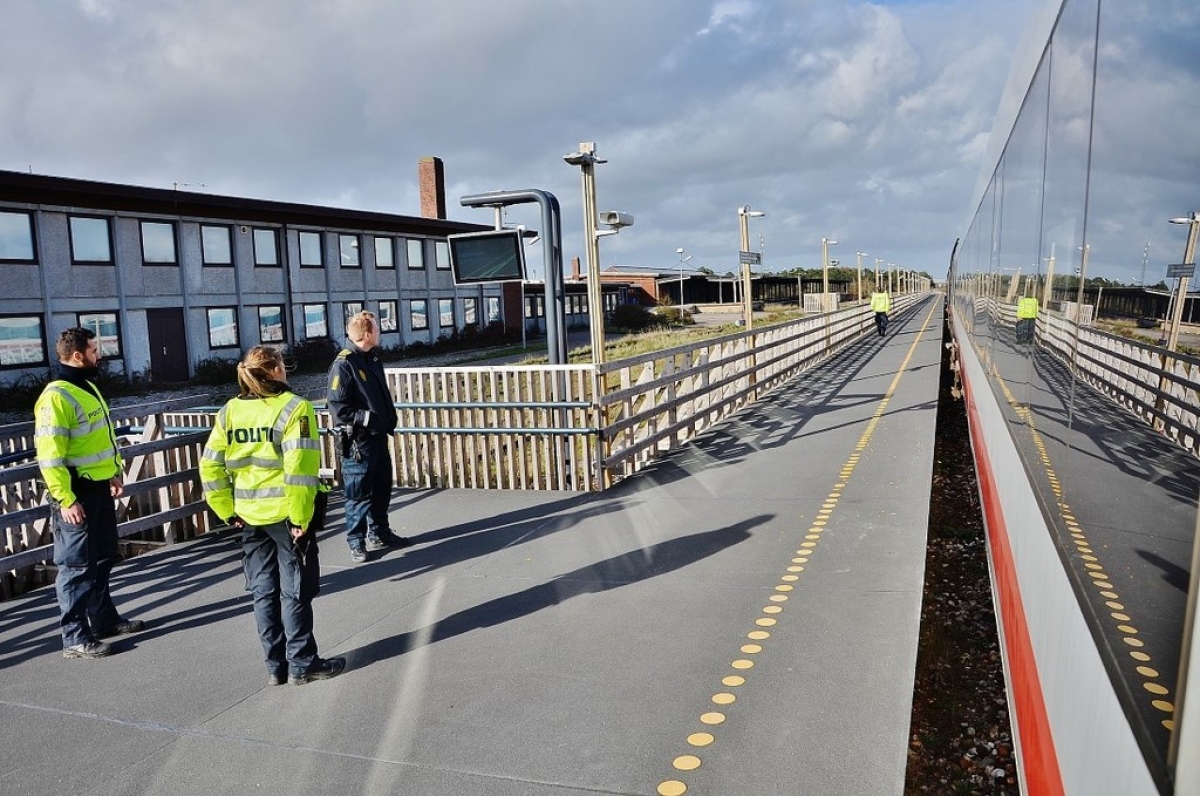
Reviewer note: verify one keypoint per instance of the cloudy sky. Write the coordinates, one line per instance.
(865, 122)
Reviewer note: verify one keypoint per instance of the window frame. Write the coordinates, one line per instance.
(305, 234)
(204, 261)
(392, 315)
(416, 245)
(254, 236)
(471, 310)
(324, 319)
(41, 339)
(75, 259)
(33, 247)
(354, 243)
(116, 316)
(170, 225)
(237, 332)
(262, 338)
(413, 313)
(441, 255)
(391, 250)
(443, 312)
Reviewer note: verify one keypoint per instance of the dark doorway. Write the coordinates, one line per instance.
(166, 334)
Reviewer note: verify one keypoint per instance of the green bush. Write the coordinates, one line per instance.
(632, 318)
(215, 371)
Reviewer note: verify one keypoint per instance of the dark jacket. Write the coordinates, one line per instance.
(358, 392)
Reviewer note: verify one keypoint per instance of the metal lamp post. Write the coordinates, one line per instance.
(1189, 258)
(586, 160)
(860, 255)
(744, 216)
(825, 244)
(682, 260)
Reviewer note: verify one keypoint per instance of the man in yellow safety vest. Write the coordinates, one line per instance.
(81, 466)
(881, 305)
(1027, 310)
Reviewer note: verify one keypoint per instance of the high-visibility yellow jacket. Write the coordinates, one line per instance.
(1027, 307)
(72, 430)
(262, 460)
(881, 302)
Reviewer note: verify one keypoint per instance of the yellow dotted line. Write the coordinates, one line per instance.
(1099, 578)
(787, 581)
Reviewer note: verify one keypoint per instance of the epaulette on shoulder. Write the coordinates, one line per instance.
(345, 352)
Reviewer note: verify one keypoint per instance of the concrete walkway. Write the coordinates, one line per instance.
(742, 618)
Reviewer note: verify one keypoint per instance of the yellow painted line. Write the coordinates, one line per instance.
(690, 762)
(1092, 563)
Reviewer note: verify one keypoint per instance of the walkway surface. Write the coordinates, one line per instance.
(741, 618)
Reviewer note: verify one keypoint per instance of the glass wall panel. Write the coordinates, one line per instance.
(21, 341)
(16, 237)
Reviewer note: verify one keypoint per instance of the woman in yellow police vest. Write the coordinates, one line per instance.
(260, 473)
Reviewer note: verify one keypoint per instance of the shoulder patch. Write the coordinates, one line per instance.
(333, 385)
(362, 374)
(305, 427)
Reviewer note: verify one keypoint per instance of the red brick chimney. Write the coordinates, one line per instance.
(431, 178)
(575, 272)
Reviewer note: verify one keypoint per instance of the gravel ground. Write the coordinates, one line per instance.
(961, 739)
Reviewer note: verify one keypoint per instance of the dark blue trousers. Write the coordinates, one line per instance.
(283, 593)
(368, 485)
(84, 555)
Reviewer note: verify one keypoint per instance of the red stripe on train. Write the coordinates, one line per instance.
(1040, 761)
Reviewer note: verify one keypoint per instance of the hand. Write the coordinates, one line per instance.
(236, 522)
(296, 531)
(116, 486)
(74, 514)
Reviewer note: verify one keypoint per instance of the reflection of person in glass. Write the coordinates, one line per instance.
(77, 454)
(1027, 310)
(260, 473)
(881, 305)
(365, 415)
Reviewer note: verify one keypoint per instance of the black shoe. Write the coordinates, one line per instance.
(358, 555)
(322, 669)
(277, 678)
(385, 540)
(123, 628)
(88, 649)
(376, 543)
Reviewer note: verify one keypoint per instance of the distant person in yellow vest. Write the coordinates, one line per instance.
(77, 454)
(1027, 310)
(260, 472)
(881, 305)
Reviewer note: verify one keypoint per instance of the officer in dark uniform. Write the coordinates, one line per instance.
(363, 409)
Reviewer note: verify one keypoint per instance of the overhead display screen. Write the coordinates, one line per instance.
(496, 256)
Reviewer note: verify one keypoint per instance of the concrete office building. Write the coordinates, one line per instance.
(169, 278)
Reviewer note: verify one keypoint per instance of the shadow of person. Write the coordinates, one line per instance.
(611, 573)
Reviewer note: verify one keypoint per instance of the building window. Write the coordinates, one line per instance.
(158, 243)
(266, 248)
(351, 308)
(215, 246)
(419, 315)
(441, 250)
(471, 312)
(493, 309)
(348, 247)
(91, 241)
(416, 255)
(314, 321)
(310, 250)
(16, 238)
(385, 253)
(222, 327)
(107, 329)
(22, 341)
(387, 316)
(446, 313)
(270, 324)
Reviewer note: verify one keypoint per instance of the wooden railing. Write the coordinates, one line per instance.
(568, 427)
